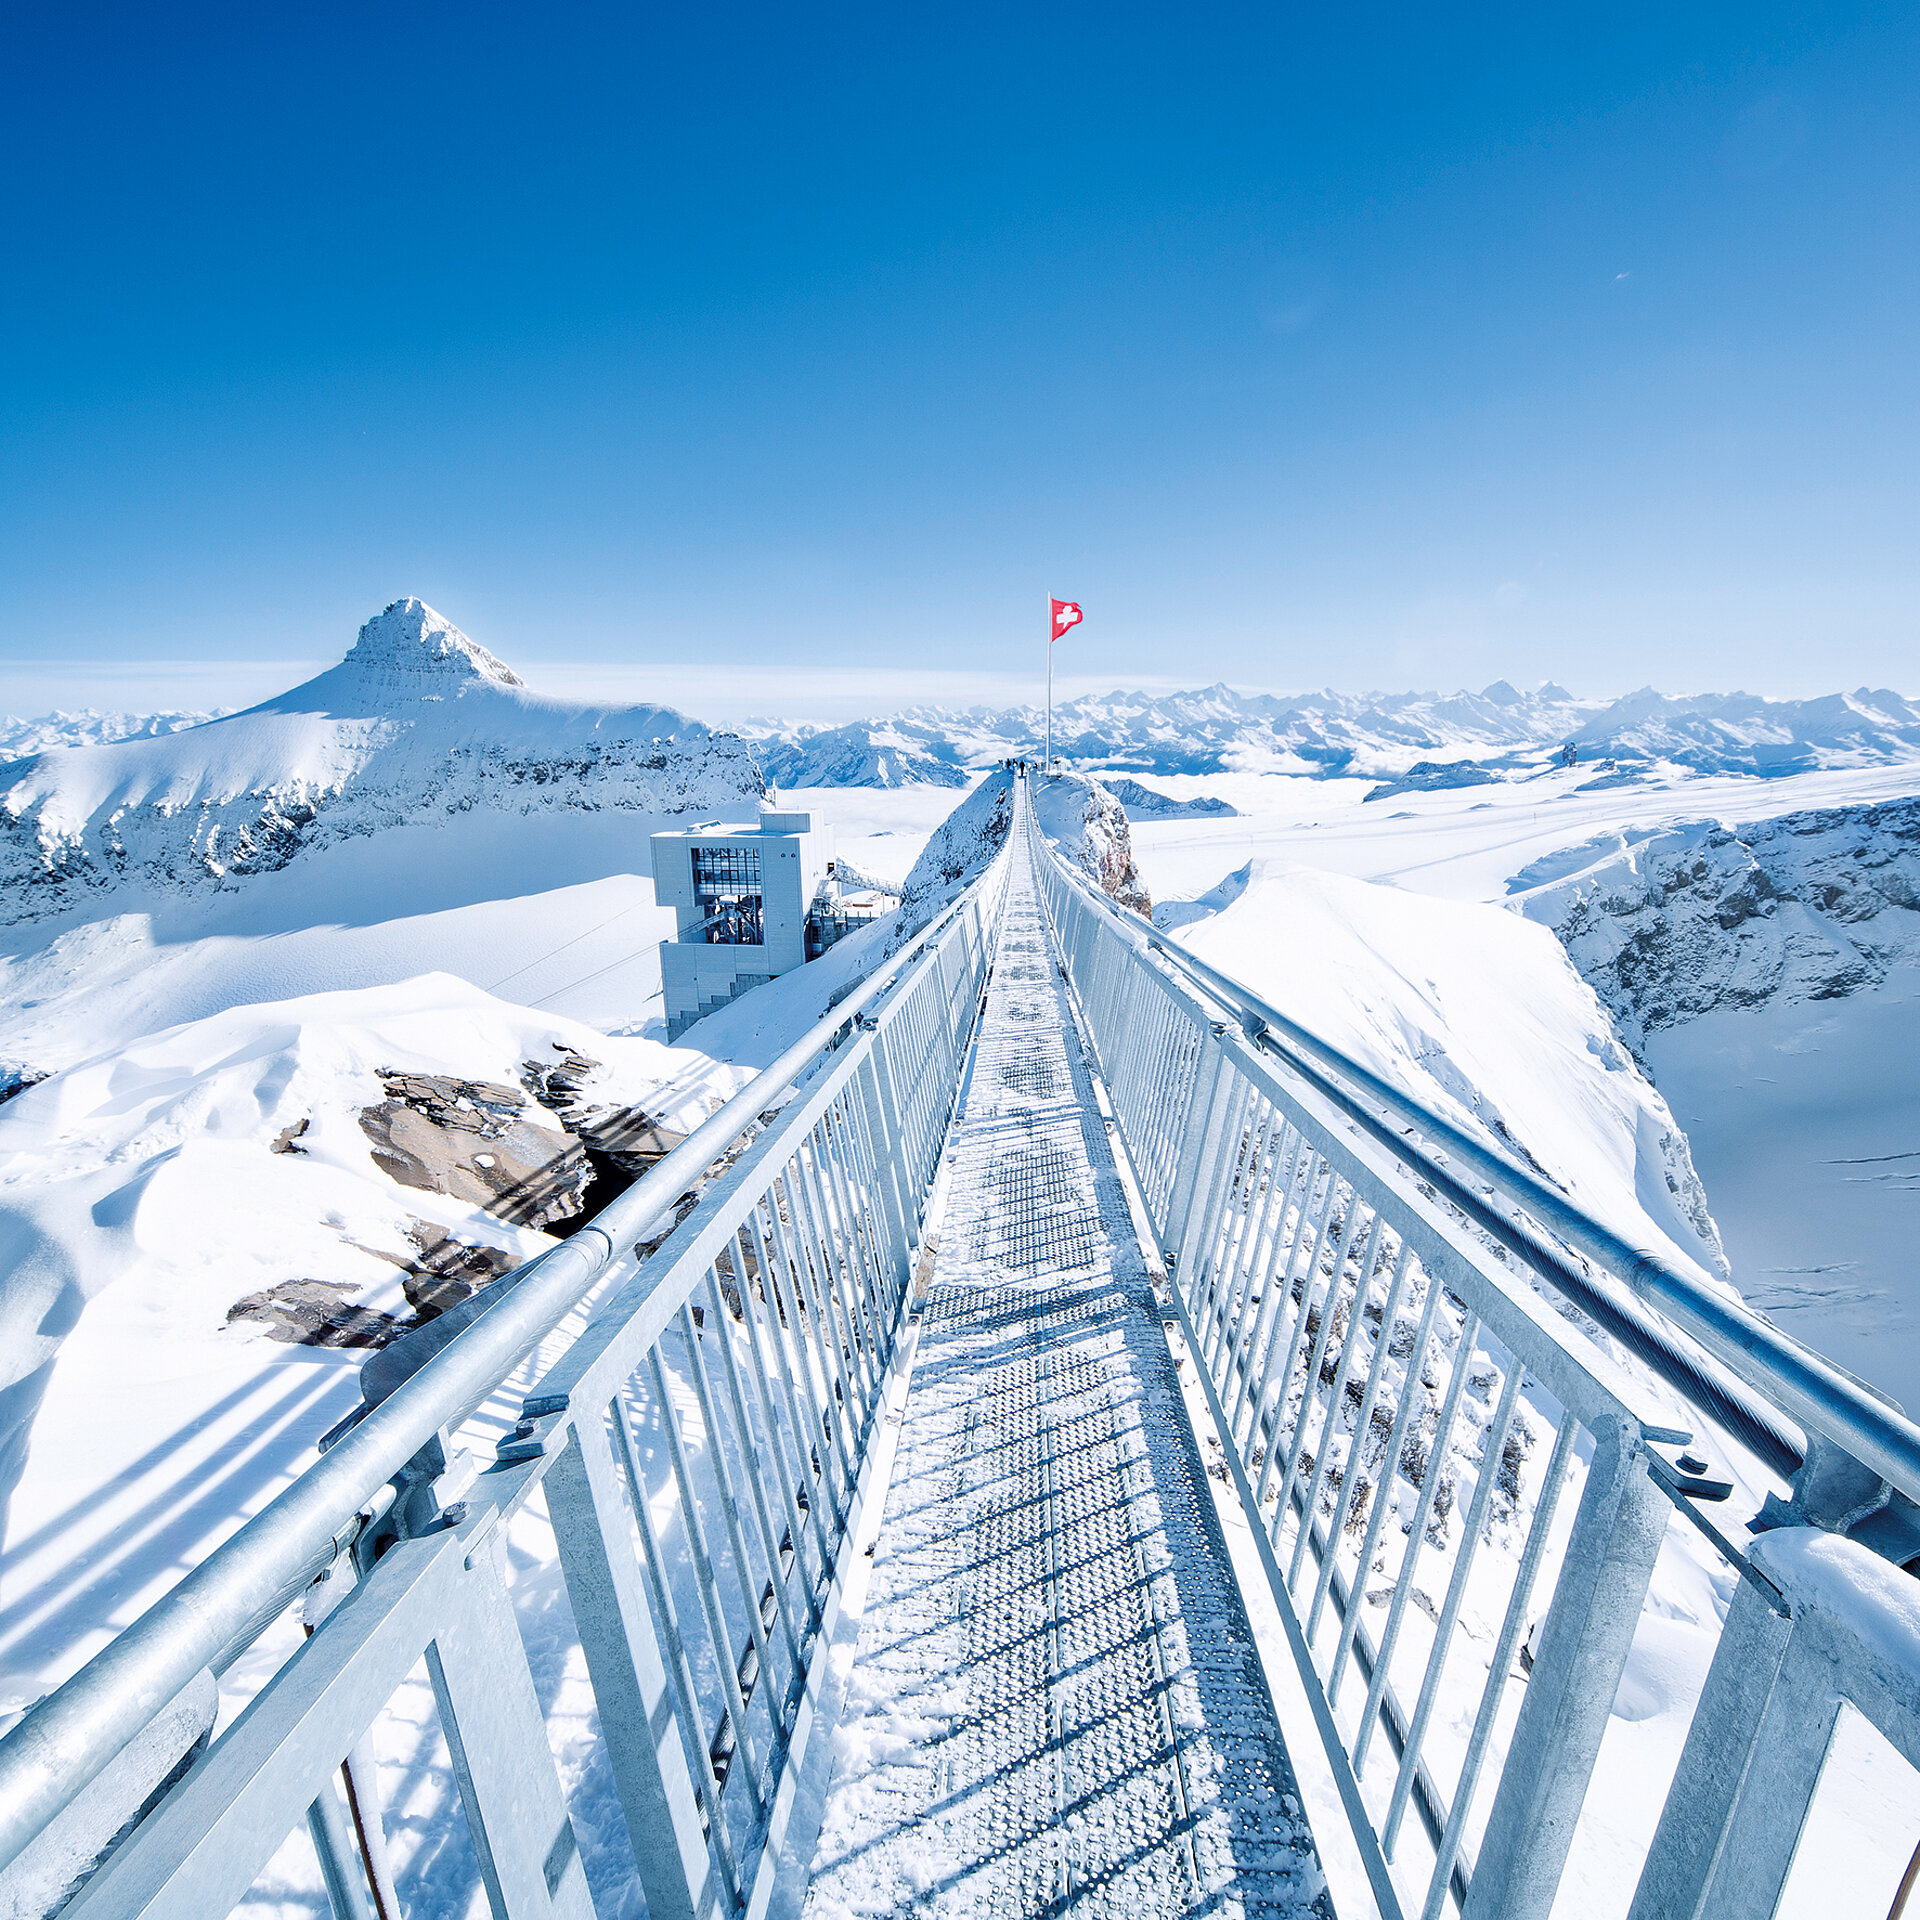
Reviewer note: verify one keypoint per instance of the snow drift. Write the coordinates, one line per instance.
(418, 721)
(961, 848)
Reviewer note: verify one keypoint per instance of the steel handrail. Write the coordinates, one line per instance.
(1792, 1379)
(67, 1740)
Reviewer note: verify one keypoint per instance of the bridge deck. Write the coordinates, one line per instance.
(1055, 1701)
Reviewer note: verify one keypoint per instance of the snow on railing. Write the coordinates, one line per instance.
(1458, 1510)
(702, 1447)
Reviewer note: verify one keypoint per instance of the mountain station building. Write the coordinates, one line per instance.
(741, 896)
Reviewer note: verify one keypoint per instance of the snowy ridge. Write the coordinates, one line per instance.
(1377, 736)
(417, 721)
(861, 754)
(1670, 924)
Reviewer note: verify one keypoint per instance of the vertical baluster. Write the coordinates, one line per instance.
(1417, 1533)
(730, 1507)
(1389, 1469)
(1463, 1559)
(828, 1436)
(843, 1314)
(753, 1465)
(758, 1777)
(1504, 1649)
(1362, 1423)
(1199, 1248)
(1277, 1302)
(1310, 1377)
(693, 1731)
(886, 1254)
(1237, 1262)
(1330, 1418)
(796, 1474)
(1272, 1232)
(1278, 1378)
(841, 1295)
(1222, 1245)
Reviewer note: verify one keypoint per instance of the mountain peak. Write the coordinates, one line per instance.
(409, 637)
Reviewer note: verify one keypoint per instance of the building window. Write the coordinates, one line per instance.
(726, 888)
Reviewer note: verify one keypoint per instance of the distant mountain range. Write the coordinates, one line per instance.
(21, 739)
(1497, 733)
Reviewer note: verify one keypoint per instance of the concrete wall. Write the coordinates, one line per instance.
(699, 977)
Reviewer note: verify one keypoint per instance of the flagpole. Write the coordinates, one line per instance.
(1046, 765)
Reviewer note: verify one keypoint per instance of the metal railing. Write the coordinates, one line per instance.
(700, 1448)
(1458, 1510)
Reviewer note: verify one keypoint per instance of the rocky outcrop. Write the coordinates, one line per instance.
(1668, 925)
(1089, 826)
(473, 1140)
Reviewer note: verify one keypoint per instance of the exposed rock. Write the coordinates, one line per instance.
(1673, 924)
(324, 1313)
(630, 1138)
(16, 1080)
(314, 1313)
(447, 1271)
(287, 1140)
(470, 1139)
(1089, 826)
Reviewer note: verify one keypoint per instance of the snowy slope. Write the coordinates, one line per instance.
(147, 1193)
(1754, 942)
(413, 809)
(417, 722)
(1672, 923)
(1478, 1014)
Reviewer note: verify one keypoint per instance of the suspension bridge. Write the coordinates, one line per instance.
(1063, 1439)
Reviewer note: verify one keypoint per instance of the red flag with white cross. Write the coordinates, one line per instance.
(1066, 613)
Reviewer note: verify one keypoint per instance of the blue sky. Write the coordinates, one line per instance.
(781, 359)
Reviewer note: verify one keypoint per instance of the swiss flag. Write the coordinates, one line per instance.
(1066, 613)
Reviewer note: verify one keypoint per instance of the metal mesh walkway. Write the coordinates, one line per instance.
(1055, 1704)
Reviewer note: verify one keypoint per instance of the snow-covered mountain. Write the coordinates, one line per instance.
(418, 721)
(1672, 923)
(1500, 732)
(865, 753)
